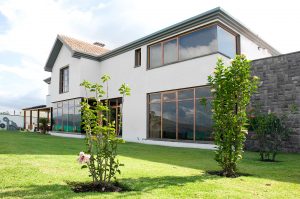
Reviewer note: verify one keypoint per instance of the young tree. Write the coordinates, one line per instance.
(124, 91)
(101, 136)
(232, 88)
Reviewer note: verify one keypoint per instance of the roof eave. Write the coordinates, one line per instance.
(53, 55)
(211, 15)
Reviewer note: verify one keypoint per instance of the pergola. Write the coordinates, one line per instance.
(39, 111)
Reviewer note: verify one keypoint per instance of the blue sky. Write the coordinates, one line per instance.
(29, 28)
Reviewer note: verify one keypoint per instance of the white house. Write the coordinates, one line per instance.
(166, 70)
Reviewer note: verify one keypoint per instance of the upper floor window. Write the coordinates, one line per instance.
(137, 58)
(204, 41)
(64, 80)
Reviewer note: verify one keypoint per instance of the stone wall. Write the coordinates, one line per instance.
(278, 92)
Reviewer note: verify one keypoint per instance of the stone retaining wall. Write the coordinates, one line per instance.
(278, 92)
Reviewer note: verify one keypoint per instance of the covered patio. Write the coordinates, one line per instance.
(33, 114)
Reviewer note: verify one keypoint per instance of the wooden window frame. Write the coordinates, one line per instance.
(61, 79)
(176, 100)
(138, 57)
(226, 28)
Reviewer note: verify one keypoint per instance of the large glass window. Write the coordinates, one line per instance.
(201, 42)
(179, 114)
(67, 116)
(212, 39)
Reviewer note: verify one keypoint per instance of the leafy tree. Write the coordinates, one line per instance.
(232, 87)
(101, 137)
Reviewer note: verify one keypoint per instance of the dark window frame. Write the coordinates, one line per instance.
(226, 28)
(138, 57)
(62, 80)
(161, 93)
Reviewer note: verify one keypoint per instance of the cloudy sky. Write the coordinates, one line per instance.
(28, 30)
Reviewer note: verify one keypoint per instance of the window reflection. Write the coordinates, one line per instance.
(169, 120)
(67, 117)
(186, 94)
(201, 42)
(170, 51)
(155, 120)
(203, 121)
(169, 96)
(186, 120)
(155, 56)
(181, 113)
(198, 43)
(226, 43)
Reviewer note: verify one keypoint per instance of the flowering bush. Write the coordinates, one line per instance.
(84, 158)
(101, 136)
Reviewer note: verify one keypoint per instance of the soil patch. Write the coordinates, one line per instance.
(79, 187)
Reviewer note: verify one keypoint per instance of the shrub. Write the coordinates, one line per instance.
(43, 124)
(101, 136)
(232, 88)
(270, 133)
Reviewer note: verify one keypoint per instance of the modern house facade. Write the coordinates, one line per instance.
(167, 72)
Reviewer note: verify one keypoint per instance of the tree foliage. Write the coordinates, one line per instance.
(271, 130)
(232, 87)
(43, 124)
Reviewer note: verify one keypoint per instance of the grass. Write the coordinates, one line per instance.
(38, 166)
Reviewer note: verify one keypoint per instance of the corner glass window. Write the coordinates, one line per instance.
(201, 42)
(226, 43)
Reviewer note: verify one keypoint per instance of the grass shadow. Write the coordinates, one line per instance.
(138, 187)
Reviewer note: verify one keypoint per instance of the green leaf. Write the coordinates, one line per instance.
(83, 166)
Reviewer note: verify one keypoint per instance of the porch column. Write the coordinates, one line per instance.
(38, 118)
(30, 120)
(24, 119)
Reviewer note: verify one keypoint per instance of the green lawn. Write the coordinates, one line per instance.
(38, 166)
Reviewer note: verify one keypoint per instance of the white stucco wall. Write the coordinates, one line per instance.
(65, 59)
(121, 68)
(252, 50)
(142, 81)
